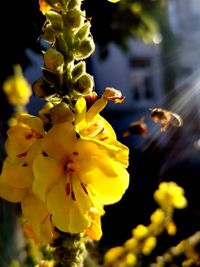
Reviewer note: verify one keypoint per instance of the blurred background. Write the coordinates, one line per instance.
(148, 49)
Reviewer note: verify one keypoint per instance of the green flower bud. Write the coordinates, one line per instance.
(56, 20)
(74, 18)
(49, 33)
(53, 60)
(83, 32)
(84, 49)
(74, 3)
(42, 89)
(85, 84)
(78, 70)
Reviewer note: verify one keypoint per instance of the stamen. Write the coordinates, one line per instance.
(73, 196)
(72, 191)
(84, 188)
(21, 155)
(68, 189)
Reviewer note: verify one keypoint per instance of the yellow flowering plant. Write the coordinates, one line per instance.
(65, 164)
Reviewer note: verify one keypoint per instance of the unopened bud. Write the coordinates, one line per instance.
(42, 89)
(49, 33)
(53, 59)
(61, 113)
(171, 228)
(74, 3)
(84, 31)
(56, 20)
(149, 245)
(74, 18)
(78, 70)
(85, 84)
(84, 49)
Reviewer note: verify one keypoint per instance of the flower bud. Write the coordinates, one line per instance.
(158, 217)
(85, 84)
(84, 31)
(49, 33)
(171, 228)
(84, 49)
(113, 254)
(74, 18)
(61, 113)
(130, 259)
(78, 70)
(149, 245)
(74, 3)
(140, 232)
(53, 59)
(41, 88)
(56, 20)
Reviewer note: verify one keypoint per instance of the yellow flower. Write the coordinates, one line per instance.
(90, 125)
(74, 176)
(17, 176)
(17, 88)
(21, 146)
(170, 195)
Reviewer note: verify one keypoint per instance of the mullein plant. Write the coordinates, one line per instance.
(64, 164)
(169, 197)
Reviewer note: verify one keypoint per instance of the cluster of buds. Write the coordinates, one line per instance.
(186, 247)
(144, 238)
(67, 31)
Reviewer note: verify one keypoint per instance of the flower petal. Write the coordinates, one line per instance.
(32, 122)
(18, 143)
(81, 108)
(107, 190)
(67, 214)
(107, 178)
(36, 214)
(59, 141)
(94, 231)
(12, 194)
(16, 175)
(47, 172)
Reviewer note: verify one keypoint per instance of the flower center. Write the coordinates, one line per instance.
(71, 169)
